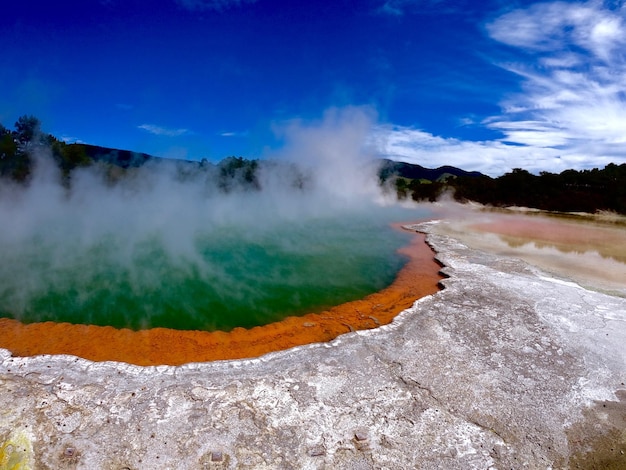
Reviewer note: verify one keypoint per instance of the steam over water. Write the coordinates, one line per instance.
(166, 248)
(233, 276)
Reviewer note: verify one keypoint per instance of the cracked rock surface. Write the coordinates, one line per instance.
(499, 370)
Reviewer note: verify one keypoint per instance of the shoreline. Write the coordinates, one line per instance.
(419, 277)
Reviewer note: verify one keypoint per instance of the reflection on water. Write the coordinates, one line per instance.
(616, 253)
(591, 254)
(565, 236)
(588, 267)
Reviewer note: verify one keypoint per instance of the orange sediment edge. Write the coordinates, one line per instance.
(160, 346)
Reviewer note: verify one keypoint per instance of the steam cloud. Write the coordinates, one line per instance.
(153, 220)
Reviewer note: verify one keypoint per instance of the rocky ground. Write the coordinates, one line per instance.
(507, 367)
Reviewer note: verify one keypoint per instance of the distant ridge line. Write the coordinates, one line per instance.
(413, 171)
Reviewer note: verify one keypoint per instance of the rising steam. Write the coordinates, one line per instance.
(163, 239)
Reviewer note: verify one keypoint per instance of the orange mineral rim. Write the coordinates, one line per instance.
(162, 346)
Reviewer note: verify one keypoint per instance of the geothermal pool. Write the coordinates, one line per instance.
(229, 277)
(165, 247)
(102, 267)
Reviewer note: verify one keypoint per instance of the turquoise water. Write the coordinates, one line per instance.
(226, 277)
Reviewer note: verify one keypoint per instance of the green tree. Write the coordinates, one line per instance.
(68, 157)
(27, 128)
(8, 147)
(402, 188)
(238, 171)
(426, 190)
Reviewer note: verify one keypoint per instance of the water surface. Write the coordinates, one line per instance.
(227, 276)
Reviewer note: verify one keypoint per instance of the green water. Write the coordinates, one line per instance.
(226, 277)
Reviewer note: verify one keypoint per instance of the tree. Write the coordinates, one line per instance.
(238, 171)
(426, 190)
(69, 157)
(8, 148)
(27, 128)
(402, 188)
(15, 161)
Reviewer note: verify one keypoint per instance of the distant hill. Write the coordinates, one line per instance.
(121, 158)
(420, 183)
(390, 168)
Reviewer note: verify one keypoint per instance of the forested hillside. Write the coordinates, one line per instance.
(569, 191)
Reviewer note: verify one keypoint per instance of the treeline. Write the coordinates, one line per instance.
(568, 191)
(19, 149)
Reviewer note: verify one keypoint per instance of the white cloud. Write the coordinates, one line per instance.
(234, 134)
(557, 26)
(402, 7)
(571, 110)
(215, 5)
(574, 97)
(391, 7)
(163, 131)
(466, 121)
(489, 157)
(71, 140)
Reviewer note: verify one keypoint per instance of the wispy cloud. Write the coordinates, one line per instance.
(234, 134)
(489, 157)
(574, 90)
(571, 110)
(402, 7)
(71, 140)
(164, 131)
(555, 27)
(393, 7)
(215, 5)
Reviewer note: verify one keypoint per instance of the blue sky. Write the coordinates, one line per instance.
(488, 86)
